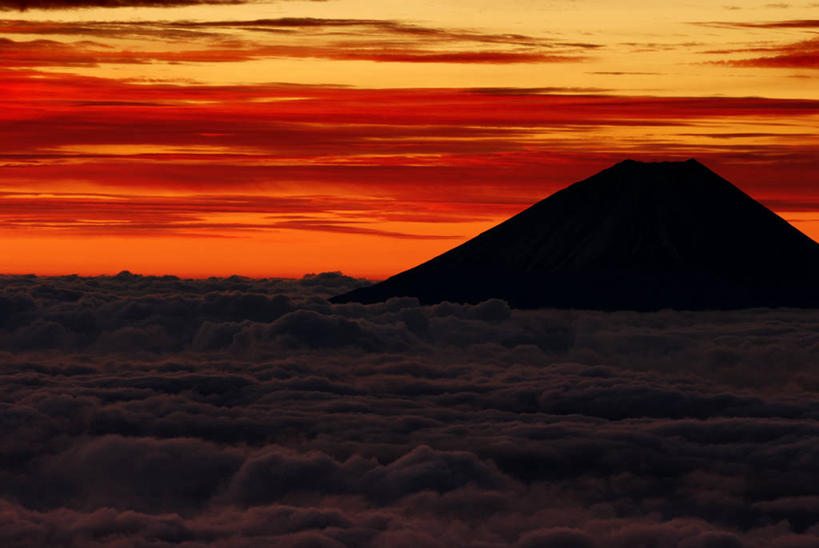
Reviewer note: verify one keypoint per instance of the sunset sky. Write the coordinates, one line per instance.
(280, 138)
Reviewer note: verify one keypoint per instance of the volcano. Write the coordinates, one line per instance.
(636, 236)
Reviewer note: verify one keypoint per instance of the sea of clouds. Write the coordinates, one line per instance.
(158, 411)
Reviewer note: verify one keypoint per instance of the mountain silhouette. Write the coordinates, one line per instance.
(637, 236)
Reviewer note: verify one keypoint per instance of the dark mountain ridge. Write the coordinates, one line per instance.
(640, 236)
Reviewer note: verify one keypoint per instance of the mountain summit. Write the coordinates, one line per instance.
(637, 236)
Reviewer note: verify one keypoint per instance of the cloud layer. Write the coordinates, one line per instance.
(229, 412)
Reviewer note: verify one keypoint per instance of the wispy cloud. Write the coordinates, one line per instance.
(801, 55)
(210, 215)
(767, 54)
(787, 24)
(236, 159)
(333, 39)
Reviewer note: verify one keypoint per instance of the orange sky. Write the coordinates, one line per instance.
(274, 139)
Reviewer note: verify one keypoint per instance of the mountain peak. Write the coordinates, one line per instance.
(638, 235)
(633, 162)
(669, 166)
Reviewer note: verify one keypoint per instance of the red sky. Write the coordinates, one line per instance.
(275, 139)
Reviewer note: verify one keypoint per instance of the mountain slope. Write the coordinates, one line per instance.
(639, 236)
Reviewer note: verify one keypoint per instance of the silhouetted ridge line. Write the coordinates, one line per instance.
(638, 236)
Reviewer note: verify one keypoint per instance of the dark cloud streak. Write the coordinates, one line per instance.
(787, 24)
(23, 5)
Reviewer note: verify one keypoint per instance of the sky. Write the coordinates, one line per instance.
(286, 137)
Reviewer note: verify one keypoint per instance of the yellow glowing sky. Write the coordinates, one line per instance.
(660, 48)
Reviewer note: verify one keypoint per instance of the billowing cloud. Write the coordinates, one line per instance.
(233, 411)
